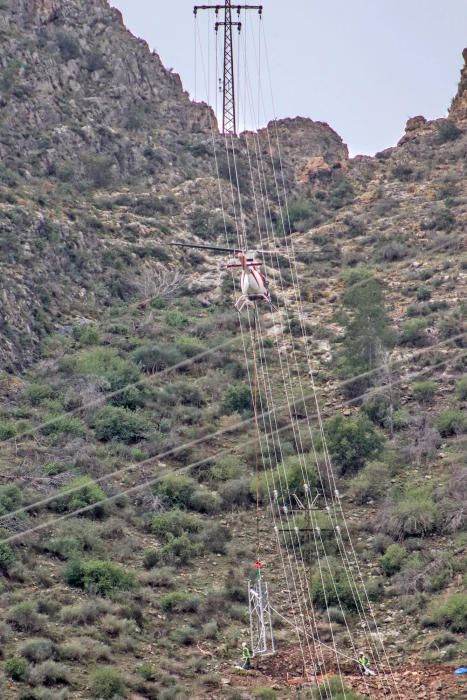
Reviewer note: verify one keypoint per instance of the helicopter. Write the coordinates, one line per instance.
(253, 283)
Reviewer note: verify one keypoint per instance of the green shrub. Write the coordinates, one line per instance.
(82, 492)
(175, 318)
(17, 668)
(450, 612)
(95, 61)
(73, 537)
(413, 332)
(174, 523)
(461, 388)
(451, 422)
(370, 483)
(189, 347)
(68, 45)
(211, 630)
(105, 362)
(305, 541)
(402, 171)
(99, 173)
(441, 220)
(24, 617)
(447, 131)
(424, 391)
(86, 613)
(106, 684)
(98, 576)
(204, 501)
(238, 398)
(7, 557)
(352, 441)
(180, 602)
(86, 334)
(226, 467)
(179, 550)
(215, 538)
(176, 489)
(182, 491)
(341, 195)
(37, 650)
(148, 671)
(423, 293)
(37, 393)
(136, 118)
(7, 430)
(414, 513)
(237, 492)
(333, 589)
(294, 472)
(117, 423)
(151, 558)
(303, 214)
(64, 425)
(378, 408)
(450, 326)
(11, 498)
(184, 635)
(334, 688)
(393, 558)
(155, 357)
(265, 693)
(401, 419)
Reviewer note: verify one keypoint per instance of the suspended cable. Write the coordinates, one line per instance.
(351, 573)
(222, 431)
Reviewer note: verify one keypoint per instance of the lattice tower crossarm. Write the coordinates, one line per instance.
(229, 117)
(262, 635)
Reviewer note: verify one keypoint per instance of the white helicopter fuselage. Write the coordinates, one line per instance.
(252, 282)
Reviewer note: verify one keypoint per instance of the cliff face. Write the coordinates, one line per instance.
(458, 109)
(76, 84)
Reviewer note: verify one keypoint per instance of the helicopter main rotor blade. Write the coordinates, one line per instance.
(220, 249)
(205, 247)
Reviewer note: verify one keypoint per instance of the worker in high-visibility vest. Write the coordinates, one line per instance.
(363, 663)
(246, 657)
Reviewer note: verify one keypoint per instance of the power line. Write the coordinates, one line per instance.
(69, 492)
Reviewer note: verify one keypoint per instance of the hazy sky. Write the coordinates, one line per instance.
(363, 66)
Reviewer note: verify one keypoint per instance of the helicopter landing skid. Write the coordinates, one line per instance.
(250, 301)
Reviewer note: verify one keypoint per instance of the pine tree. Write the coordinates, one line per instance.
(367, 331)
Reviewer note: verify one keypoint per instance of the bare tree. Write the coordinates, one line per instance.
(424, 439)
(453, 501)
(159, 284)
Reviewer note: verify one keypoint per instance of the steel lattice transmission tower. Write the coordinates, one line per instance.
(229, 121)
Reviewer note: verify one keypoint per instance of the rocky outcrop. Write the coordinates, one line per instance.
(458, 109)
(75, 84)
(310, 150)
(412, 128)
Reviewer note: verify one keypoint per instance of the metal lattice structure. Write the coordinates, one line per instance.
(229, 121)
(262, 636)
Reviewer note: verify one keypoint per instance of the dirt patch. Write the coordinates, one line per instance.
(416, 681)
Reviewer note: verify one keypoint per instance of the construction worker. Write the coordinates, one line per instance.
(363, 664)
(246, 657)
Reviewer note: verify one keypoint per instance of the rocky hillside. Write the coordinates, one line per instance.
(104, 160)
(87, 110)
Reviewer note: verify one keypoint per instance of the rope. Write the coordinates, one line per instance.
(261, 168)
(285, 387)
(255, 412)
(329, 467)
(241, 327)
